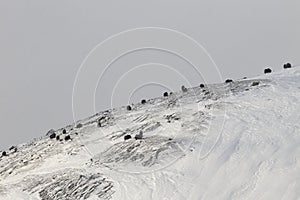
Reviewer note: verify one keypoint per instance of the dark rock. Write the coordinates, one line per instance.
(165, 94)
(127, 137)
(4, 153)
(129, 107)
(202, 85)
(64, 131)
(267, 70)
(57, 137)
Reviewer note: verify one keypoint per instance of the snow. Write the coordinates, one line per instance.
(236, 142)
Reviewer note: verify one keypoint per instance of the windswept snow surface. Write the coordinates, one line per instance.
(224, 141)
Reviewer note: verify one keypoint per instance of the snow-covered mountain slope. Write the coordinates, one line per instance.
(226, 141)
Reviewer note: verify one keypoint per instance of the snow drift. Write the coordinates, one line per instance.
(238, 140)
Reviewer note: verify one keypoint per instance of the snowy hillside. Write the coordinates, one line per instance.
(234, 140)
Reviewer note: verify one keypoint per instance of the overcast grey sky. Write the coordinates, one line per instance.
(43, 43)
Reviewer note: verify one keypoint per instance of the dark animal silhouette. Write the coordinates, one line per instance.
(287, 65)
(139, 136)
(143, 101)
(79, 125)
(52, 136)
(127, 137)
(255, 83)
(50, 132)
(183, 88)
(12, 148)
(68, 137)
(267, 70)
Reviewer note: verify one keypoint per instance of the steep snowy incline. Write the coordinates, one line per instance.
(237, 140)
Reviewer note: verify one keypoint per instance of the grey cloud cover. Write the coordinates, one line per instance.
(42, 44)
